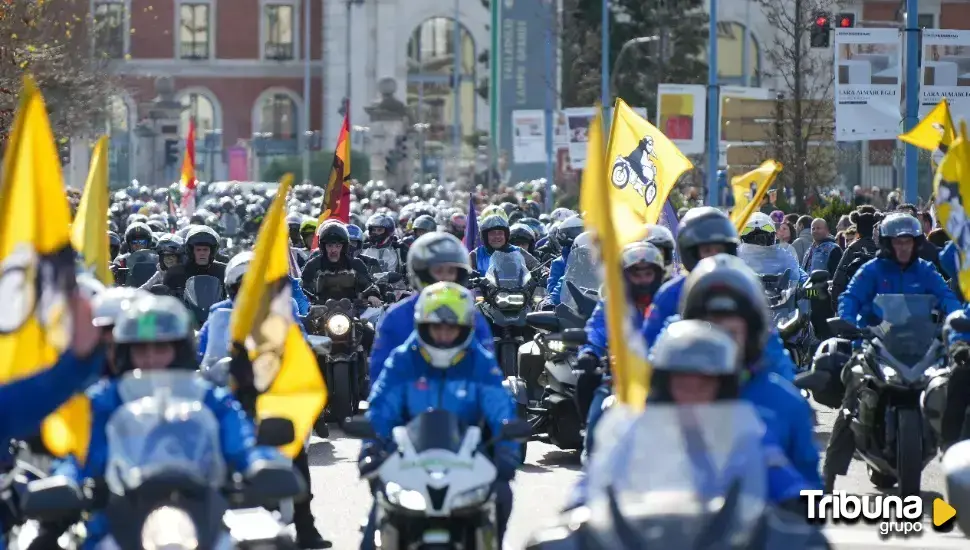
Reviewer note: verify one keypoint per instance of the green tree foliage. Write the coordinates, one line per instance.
(320, 164)
(831, 212)
(677, 56)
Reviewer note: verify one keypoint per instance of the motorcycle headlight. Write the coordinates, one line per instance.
(169, 528)
(338, 325)
(504, 299)
(405, 498)
(556, 345)
(472, 497)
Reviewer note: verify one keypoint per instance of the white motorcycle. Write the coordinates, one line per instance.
(436, 486)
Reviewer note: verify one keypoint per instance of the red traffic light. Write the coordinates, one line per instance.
(846, 21)
(821, 21)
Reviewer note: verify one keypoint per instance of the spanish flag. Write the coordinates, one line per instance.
(951, 192)
(755, 182)
(89, 233)
(644, 166)
(187, 179)
(336, 199)
(934, 133)
(603, 203)
(284, 368)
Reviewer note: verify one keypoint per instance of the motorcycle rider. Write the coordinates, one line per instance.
(433, 258)
(703, 232)
(566, 233)
(138, 236)
(522, 236)
(494, 232)
(663, 239)
(897, 269)
(201, 245)
(759, 249)
(695, 363)
(334, 258)
(643, 272)
(356, 235)
(308, 230)
(380, 235)
(442, 366)
(456, 225)
(169, 249)
(154, 333)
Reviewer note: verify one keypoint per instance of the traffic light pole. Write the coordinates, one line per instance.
(713, 103)
(911, 183)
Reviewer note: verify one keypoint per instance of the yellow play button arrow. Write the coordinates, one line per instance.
(942, 512)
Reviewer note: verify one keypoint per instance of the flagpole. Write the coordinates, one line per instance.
(457, 91)
(911, 183)
(550, 99)
(605, 97)
(306, 90)
(713, 125)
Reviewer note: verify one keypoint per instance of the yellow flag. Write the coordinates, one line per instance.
(598, 197)
(89, 234)
(755, 182)
(284, 367)
(951, 191)
(644, 166)
(935, 131)
(36, 261)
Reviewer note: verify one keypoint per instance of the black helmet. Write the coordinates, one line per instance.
(490, 223)
(114, 243)
(568, 230)
(694, 347)
(334, 232)
(168, 244)
(704, 225)
(724, 284)
(899, 224)
(662, 238)
(523, 233)
(138, 231)
(154, 319)
(425, 223)
(202, 235)
(432, 249)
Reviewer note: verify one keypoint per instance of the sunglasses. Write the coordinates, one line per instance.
(139, 242)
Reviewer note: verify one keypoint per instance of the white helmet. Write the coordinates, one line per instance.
(237, 267)
(760, 230)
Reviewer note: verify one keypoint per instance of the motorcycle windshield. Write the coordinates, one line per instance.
(217, 341)
(163, 426)
(386, 257)
(710, 452)
(202, 291)
(773, 266)
(907, 329)
(507, 270)
(583, 272)
(142, 257)
(436, 429)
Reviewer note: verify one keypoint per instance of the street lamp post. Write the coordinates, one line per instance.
(350, 5)
(421, 128)
(306, 88)
(212, 142)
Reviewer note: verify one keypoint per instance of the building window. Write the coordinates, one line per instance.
(109, 29)
(278, 116)
(200, 109)
(194, 31)
(280, 22)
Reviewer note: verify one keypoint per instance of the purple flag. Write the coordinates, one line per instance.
(471, 226)
(668, 219)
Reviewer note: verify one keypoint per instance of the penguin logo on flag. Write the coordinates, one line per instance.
(17, 289)
(638, 169)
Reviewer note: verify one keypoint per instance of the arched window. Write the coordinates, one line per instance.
(198, 107)
(278, 115)
(730, 55)
(431, 84)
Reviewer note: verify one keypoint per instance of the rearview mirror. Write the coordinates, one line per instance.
(791, 326)
(51, 499)
(515, 430)
(819, 275)
(321, 345)
(959, 324)
(574, 336)
(275, 432)
(843, 328)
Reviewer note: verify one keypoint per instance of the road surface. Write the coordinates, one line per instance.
(341, 499)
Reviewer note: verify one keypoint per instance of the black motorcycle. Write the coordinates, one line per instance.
(506, 298)
(899, 360)
(345, 367)
(201, 292)
(792, 322)
(141, 265)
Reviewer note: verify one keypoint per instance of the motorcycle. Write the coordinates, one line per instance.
(166, 484)
(201, 292)
(506, 294)
(388, 257)
(956, 471)
(140, 266)
(899, 360)
(435, 488)
(706, 490)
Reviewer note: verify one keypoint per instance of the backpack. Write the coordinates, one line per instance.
(863, 256)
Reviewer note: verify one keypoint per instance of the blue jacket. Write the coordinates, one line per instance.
(227, 304)
(472, 389)
(885, 276)
(556, 271)
(398, 323)
(26, 402)
(666, 303)
(302, 302)
(483, 256)
(237, 438)
(784, 481)
(597, 338)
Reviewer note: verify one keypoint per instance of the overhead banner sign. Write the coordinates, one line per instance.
(946, 72)
(868, 84)
(681, 115)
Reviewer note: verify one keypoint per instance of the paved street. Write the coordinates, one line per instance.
(341, 500)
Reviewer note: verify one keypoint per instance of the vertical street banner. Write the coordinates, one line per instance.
(868, 83)
(682, 115)
(578, 120)
(523, 81)
(528, 137)
(945, 72)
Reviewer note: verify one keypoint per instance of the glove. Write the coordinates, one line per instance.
(811, 293)
(507, 460)
(587, 363)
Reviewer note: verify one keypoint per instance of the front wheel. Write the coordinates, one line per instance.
(342, 393)
(508, 359)
(909, 451)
